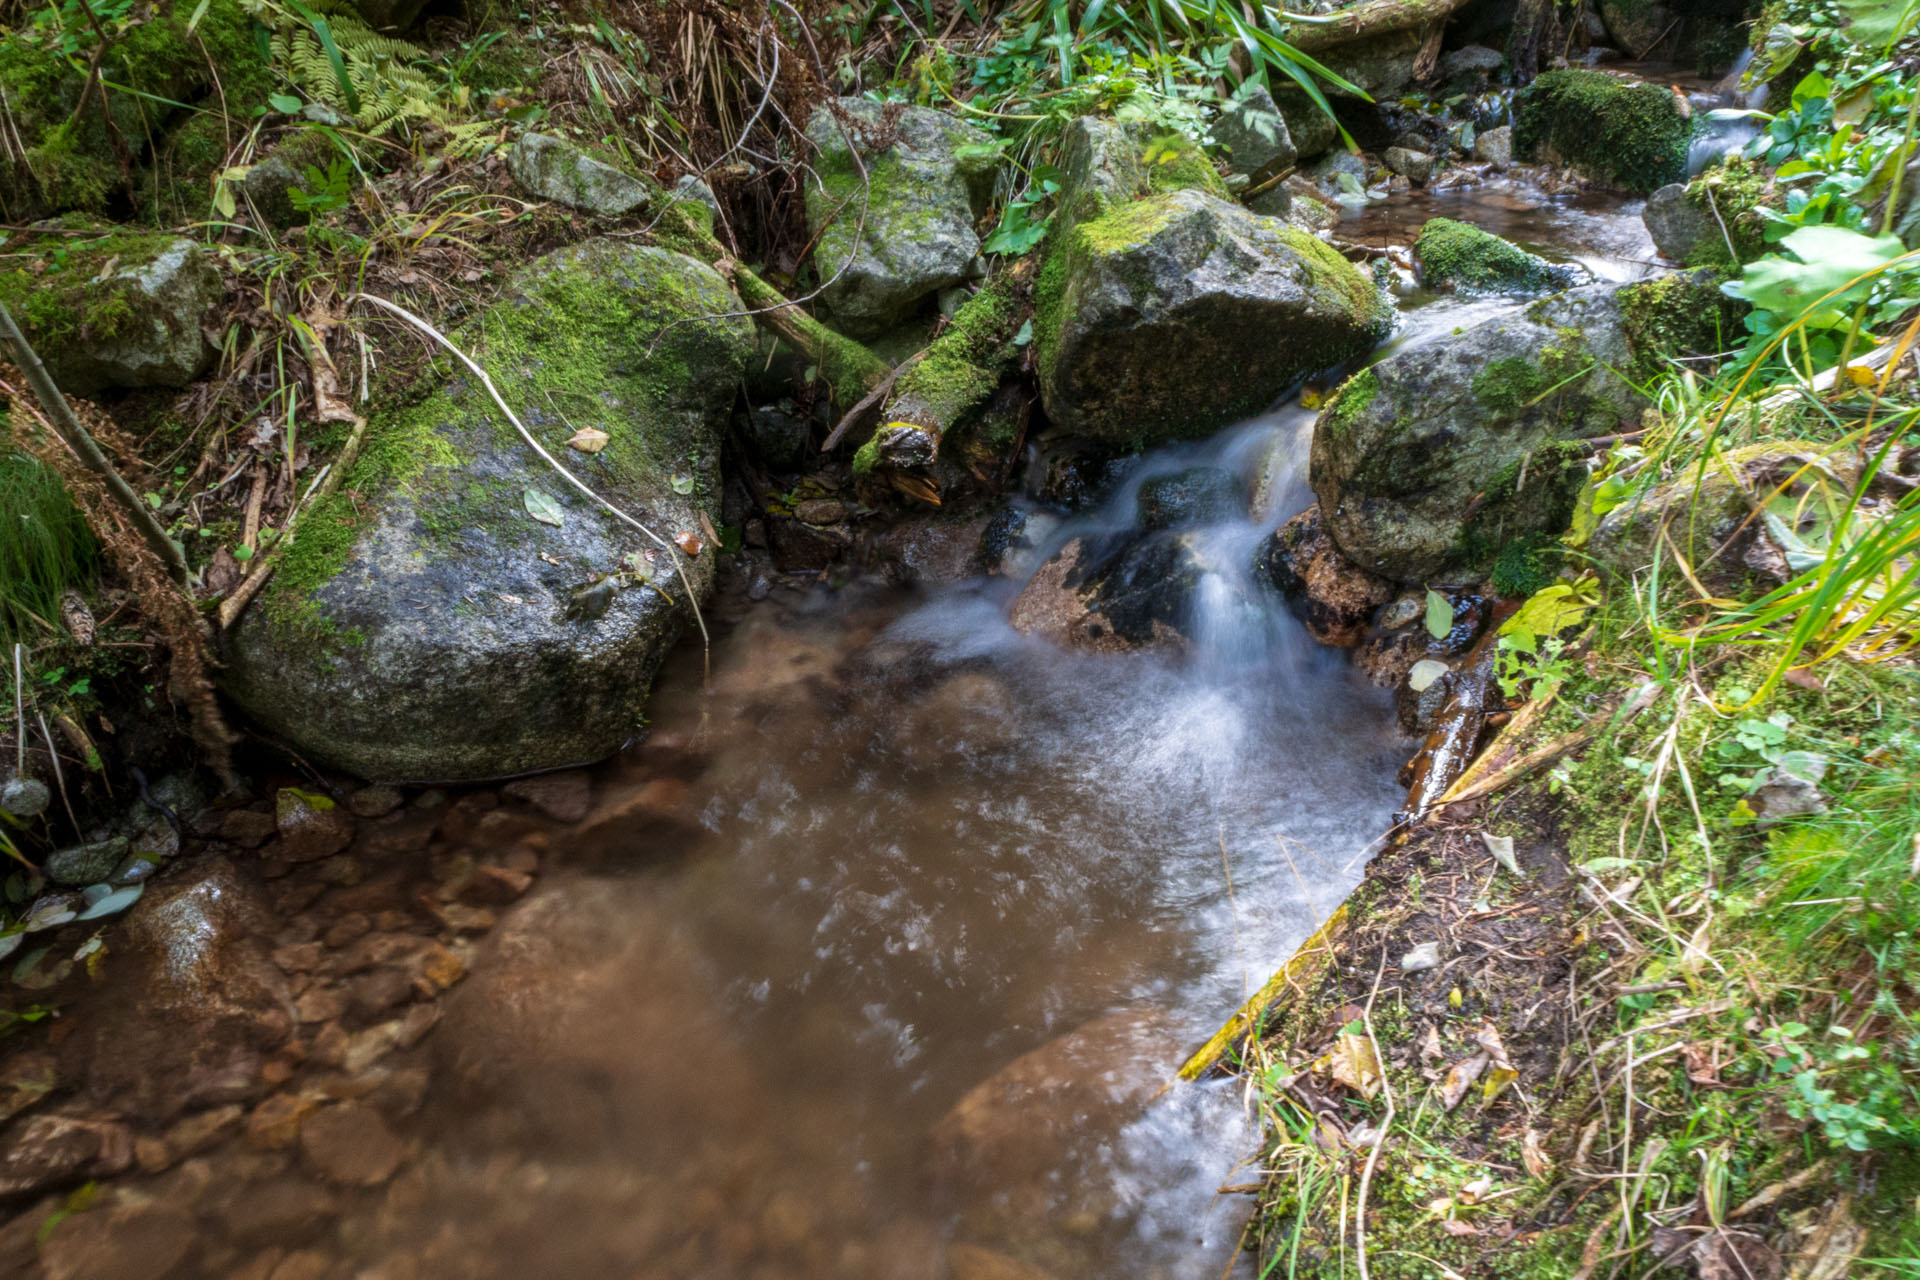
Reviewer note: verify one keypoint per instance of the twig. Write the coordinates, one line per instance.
(20, 715)
(263, 566)
(63, 421)
(679, 561)
(59, 776)
(1386, 1124)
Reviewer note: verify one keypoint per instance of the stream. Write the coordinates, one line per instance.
(873, 958)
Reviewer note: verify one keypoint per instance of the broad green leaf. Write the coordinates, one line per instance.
(1830, 258)
(1548, 612)
(1878, 22)
(1439, 615)
(1424, 673)
(543, 508)
(1812, 85)
(681, 483)
(285, 103)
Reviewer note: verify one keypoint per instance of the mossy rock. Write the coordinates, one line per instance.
(905, 232)
(1681, 314)
(161, 79)
(578, 177)
(115, 309)
(1176, 315)
(425, 624)
(270, 183)
(1460, 256)
(1620, 133)
(1429, 463)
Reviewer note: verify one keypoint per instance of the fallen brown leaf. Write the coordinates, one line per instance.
(689, 542)
(1460, 1078)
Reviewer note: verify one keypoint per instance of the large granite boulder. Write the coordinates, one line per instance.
(125, 309)
(1254, 132)
(906, 232)
(1677, 225)
(1178, 314)
(1619, 133)
(457, 610)
(1430, 462)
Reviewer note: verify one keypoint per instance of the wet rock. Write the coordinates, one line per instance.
(1415, 166)
(631, 810)
(1335, 600)
(820, 512)
(198, 998)
(24, 797)
(777, 435)
(1012, 540)
(573, 1025)
(1054, 606)
(248, 828)
(376, 801)
(1636, 25)
(1327, 174)
(1676, 224)
(1068, 1094)
(917, 236)
(311, 825)
(351, 1145)
(965, 717)
(133, 1242)
(1076, 476)
(1494, 147)
(87, 863)
(1255, 135)
(571, 175)
(973, 1262)
(1626, 134)
(799, 547)
(26, 1077)
(280, 1210)
(44, 1152)
(565, 797)
(934, 549)
(1312, 130)
(1196, 496)
(459, 659)
(1178, 314)
(1462, 257)
(1417, 461)
(153, 294)
(274, 1125)
(1473, 59)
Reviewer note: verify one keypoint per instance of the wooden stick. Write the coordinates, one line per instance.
(1313, 955)
(60, 415)
(263, 566)
(869, 401)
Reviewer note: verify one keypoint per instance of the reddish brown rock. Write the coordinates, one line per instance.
(565, 797)
(495, 886)
(350, 1144)
(627, 811)
(312, 826)
(41, 1153)
(147, 1242)
(1051, 607)
(275, 1124)
(1334, 599)
(376, 801)
(247, 828)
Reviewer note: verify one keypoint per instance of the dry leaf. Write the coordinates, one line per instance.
(1703, 1062)
(588, 440)
(1455, 1227)
(689, 542)
(1460, 1078)
(1501, 847)
(1430, 1050)
(1488, 1038)
(1531, 1154)
(1497, 1081)
(77, 618)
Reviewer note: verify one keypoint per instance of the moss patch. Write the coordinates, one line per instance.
(1731, 195)
(1678, 315)
(53, 294)
(1508, 386)
(1173, 162)
(1461, 256)
(1628, 135)
(1354, 398)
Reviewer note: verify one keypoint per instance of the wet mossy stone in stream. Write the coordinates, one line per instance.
(1196, 496)
(425, 623)
(887, 241)
(1462, 257)
(109, 308)
(1616, 132)
(1429, 463)
(1178, 314)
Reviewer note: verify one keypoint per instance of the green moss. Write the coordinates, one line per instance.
(1507, 386)
(1460, 256)
(1173, 162)
(1532, 493)
(1526, 565)
(867, 456)
(1677, 315)
(53, 291)
(1629, 135)
(1326, 269)
(1126, 227)
(1731, 195)
(1354, 398)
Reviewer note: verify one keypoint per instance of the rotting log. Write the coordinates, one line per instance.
(1364, 21)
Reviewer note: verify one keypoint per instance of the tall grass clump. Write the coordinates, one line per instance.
(46, 549)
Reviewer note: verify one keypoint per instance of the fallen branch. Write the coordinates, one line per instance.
(1313, 954)
(869, 401)
(1366, 20)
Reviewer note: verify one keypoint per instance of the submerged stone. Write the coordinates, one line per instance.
(420, 628)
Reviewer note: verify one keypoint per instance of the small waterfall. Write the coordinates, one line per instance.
(1730, 124)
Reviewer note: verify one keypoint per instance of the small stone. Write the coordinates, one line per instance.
(376, 801)
(311, 825)
(656, 802)
(565, 797)
(495, 886)
(305, 1264)
(347, 930)
(278, 1212)
(276, 1073)
(1494, 147)
(559, 171)
(441, 967)
(329, 1047)
(420, 1019)
(303, 957)
(151, 1155)
(197, 1132)
(820, 512)
(461, 918)
(24, 797)
(143, 1242)
(1255, 135)
(372, 993)
(350, 1144)
(1423, 957)
(322, 1004)
(45, 1152)
(522, 858)
(274, 1125)
(1415, 166)
(340, 870)
(247, 828)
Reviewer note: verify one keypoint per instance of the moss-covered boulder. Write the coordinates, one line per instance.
(114, 309)
(556, 170)
(1714, 220)
(1620, 133)
(67, 143)
(906, 232)
(1429, 463)
(270, 182)
(1178, 314)
(457, 610)
(1462, 257)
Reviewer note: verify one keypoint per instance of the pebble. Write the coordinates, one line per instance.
(247, 828)
(376, 801)
(274, 1125)
(43, 1152)
(347, 930)
(351, 1144)
(565, 797)
(495, 886)
(302, 957)
(311, 825)
(322, 1004)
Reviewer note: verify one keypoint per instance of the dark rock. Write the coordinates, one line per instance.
(1676, 224)
(1179, 314)
(934, 549)
(437, 644)
(777, 435)
(311, 825)
(1413, 165)
(41, 1153)
(820, 512)
(272, 179)
(376, 801)
(1137, 596)
(568, 174)
(351, 1145)
(1333, 599)
(1460, 256)
(1627, 134)
(919, 197)
(1255, 135)
(799, 547)
(132, 1242)
(1313, 131)
(278, 1211)
(1417, 460)
(1473, 59)
(248, 828)
(565, 797)
(87, 863)
(1196, 496)
(1012, 539)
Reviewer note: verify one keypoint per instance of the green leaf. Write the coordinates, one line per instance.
(285, 103)
(1424, 672)
(1878, 22)
(1812, 85)
(681, 483)
(543, 508)
(1830, 258)
(1548, 612)
(1439, 615)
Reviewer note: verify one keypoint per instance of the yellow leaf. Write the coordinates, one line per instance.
(1860, 375)
(1454, 998)
(588, 440)
(1496, 1082)
(1353, 1064)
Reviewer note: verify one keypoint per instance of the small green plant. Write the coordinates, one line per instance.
(1858, 1093)
(46, 549)
(330, 191)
